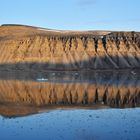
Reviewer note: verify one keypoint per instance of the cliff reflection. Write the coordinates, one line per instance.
(22, 95)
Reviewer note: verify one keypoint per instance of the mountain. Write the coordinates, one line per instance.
(33, 48)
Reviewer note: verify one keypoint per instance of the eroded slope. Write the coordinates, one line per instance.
(25, 47)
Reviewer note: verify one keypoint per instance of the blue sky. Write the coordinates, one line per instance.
(73, 14)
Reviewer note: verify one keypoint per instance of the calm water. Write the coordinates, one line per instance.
(70, 105)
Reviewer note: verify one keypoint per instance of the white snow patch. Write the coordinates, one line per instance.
(49, 30)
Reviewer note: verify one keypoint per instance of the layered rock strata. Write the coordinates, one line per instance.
(30, 48)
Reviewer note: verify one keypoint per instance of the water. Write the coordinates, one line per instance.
(70, 105)
(74, 124)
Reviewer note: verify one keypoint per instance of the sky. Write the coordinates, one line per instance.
(73, 14)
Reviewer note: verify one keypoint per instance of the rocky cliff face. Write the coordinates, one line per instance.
(27, 48)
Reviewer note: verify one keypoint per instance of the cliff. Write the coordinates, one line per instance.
(32, 48)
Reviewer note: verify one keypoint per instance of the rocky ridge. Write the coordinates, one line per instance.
(27, 48)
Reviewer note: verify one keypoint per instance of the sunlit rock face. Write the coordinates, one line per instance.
(26, 48)
(68, 90)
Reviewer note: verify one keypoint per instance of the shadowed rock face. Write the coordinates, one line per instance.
(72, 90)
(30, 48)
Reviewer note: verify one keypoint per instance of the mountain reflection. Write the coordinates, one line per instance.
(23, 94)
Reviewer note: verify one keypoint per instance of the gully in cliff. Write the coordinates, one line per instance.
(39, 49)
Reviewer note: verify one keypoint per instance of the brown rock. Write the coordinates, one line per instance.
(26, 47)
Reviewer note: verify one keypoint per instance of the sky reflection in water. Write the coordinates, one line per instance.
(74, 124)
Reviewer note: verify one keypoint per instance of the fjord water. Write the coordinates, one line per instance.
(70, 105)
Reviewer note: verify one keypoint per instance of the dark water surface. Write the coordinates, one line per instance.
(87, 105)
